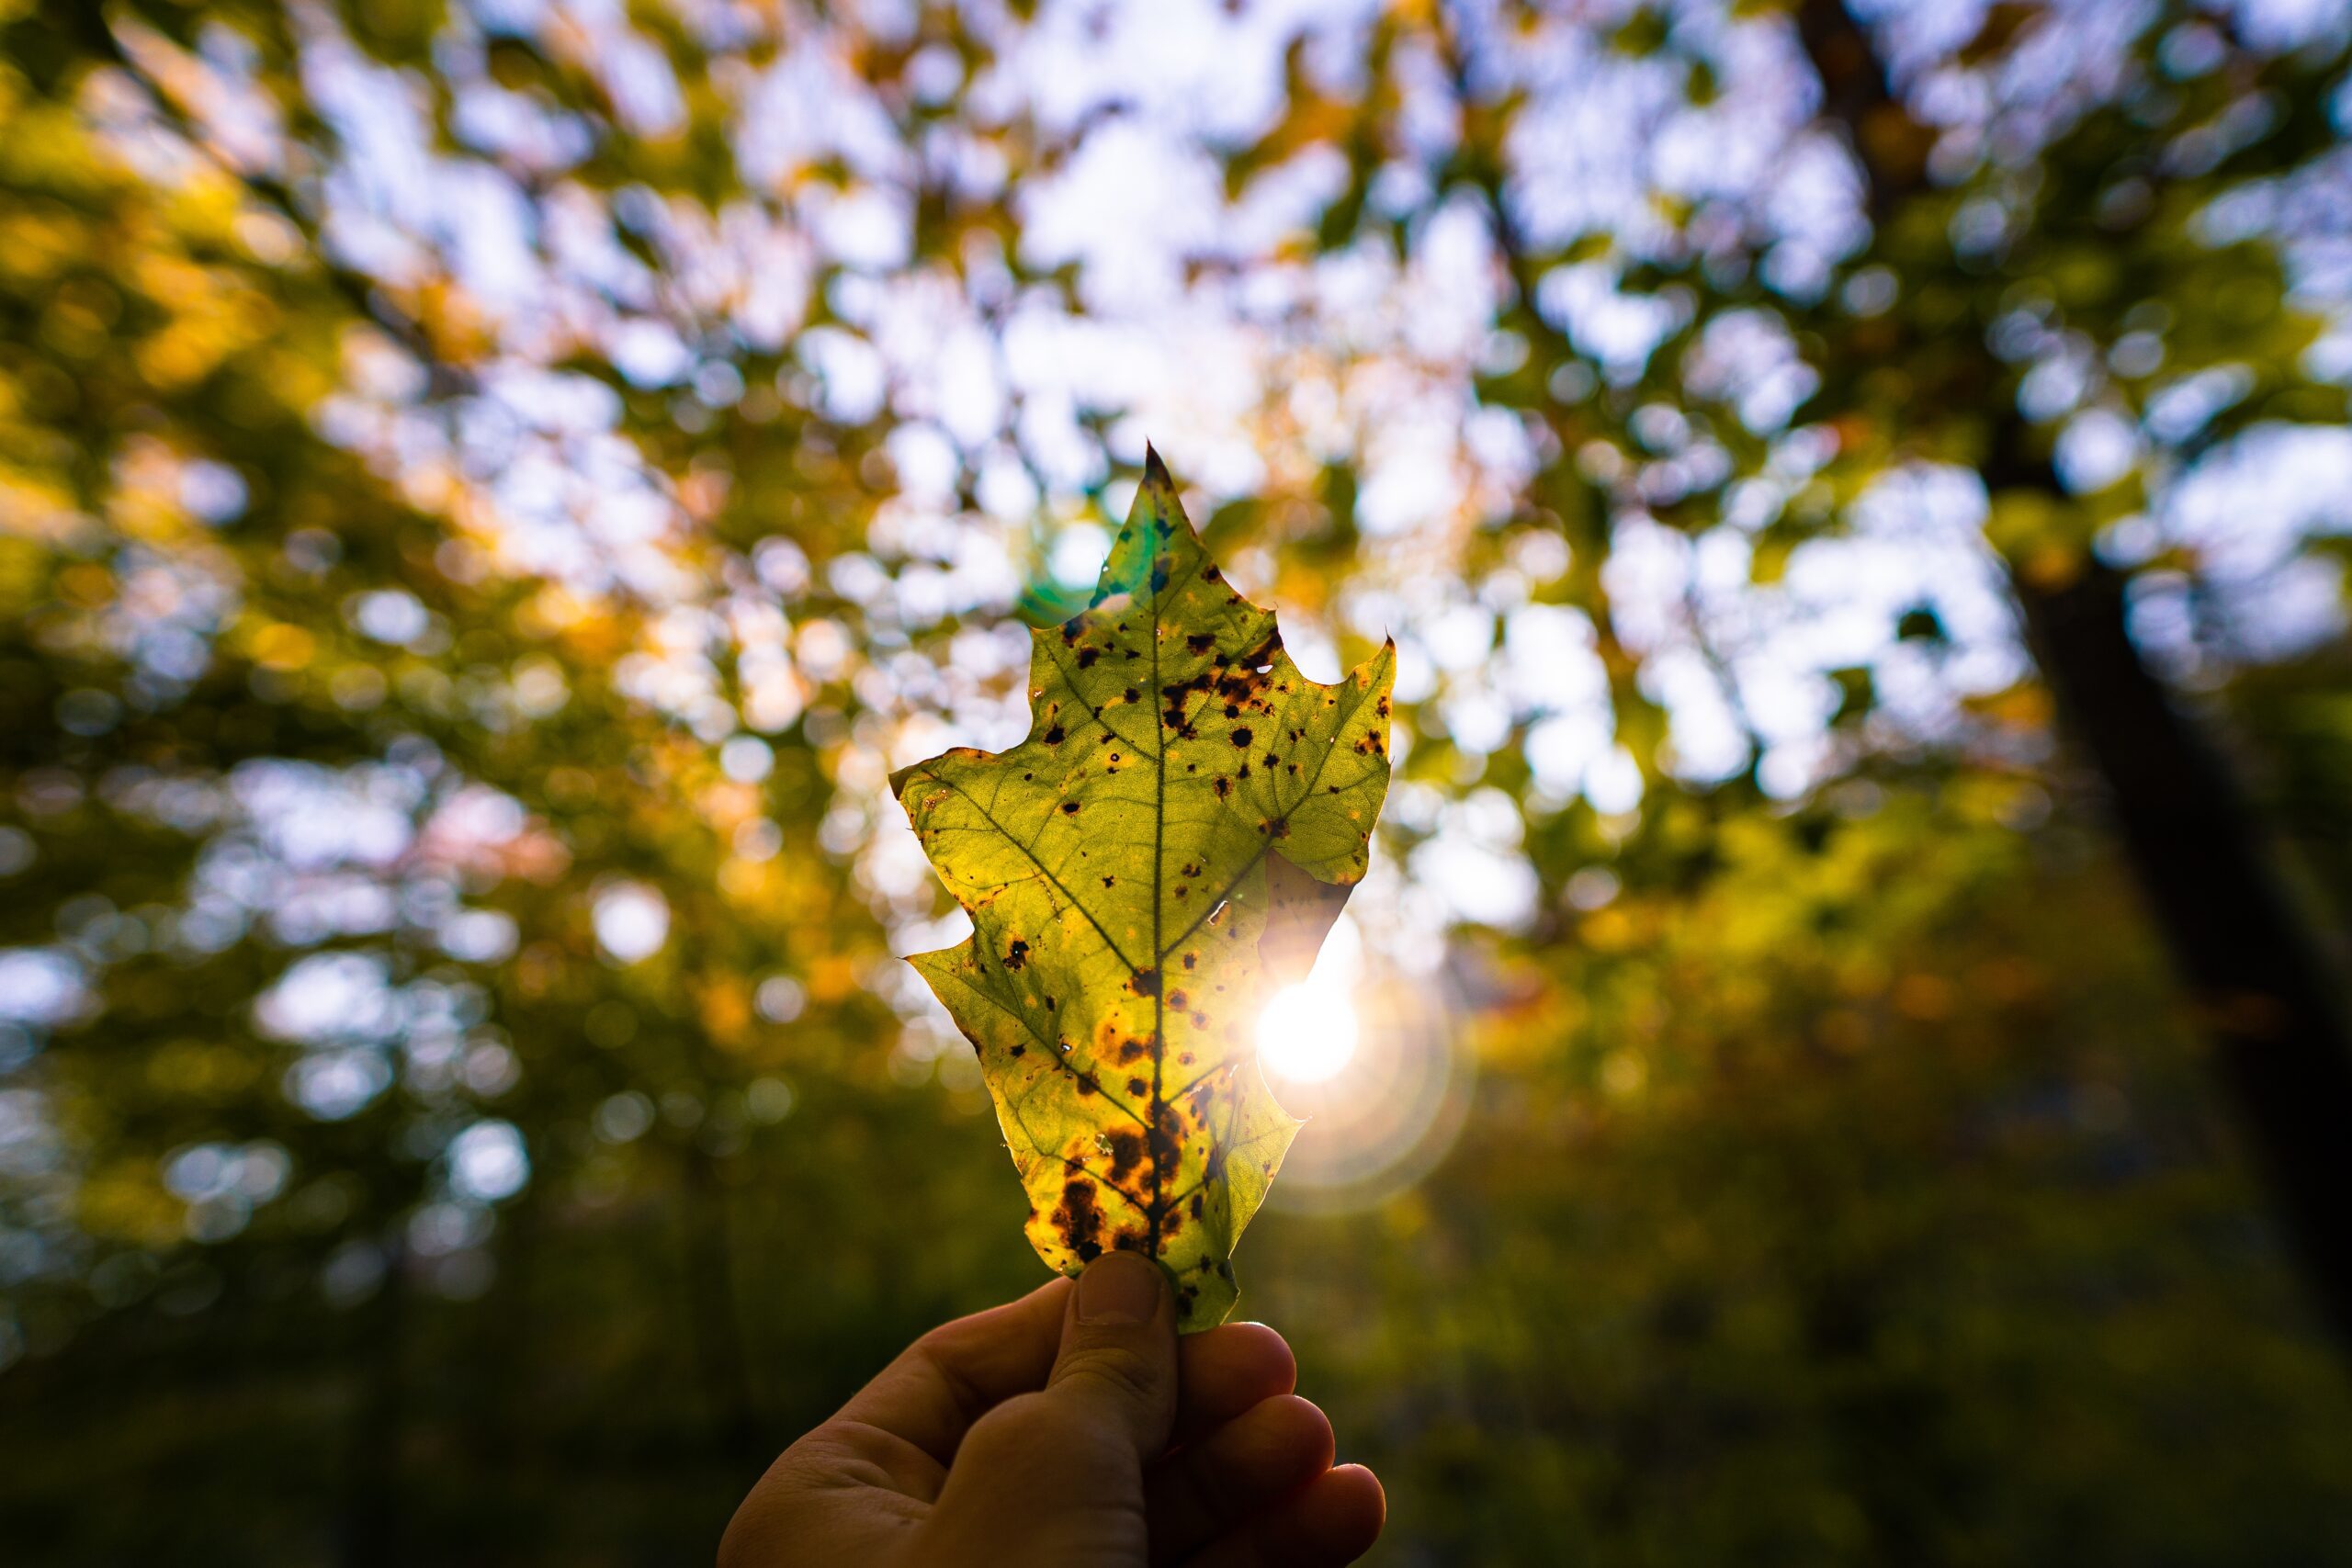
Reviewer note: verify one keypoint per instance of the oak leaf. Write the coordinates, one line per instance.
(1168, 845)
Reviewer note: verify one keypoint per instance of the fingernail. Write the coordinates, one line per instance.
(1119, 1287)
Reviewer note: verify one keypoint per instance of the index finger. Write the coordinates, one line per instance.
(960, 1371)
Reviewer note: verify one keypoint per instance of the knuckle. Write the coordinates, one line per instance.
(1025, 1423)
(1033, 1438)
(1303, 1424)
(942, 1340)
(1117, 1372)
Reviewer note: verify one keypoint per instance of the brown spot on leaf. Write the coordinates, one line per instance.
(1079, 1220)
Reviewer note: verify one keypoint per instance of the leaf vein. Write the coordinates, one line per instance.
(1048, 871)
(1307, 794)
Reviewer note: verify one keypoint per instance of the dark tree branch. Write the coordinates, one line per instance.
(1857, 94)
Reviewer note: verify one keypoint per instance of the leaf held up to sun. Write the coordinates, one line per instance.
(1166, 848)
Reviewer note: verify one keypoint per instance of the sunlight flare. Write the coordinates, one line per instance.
(1307, 1032)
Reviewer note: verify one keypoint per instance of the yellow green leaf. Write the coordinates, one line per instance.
(1171, 841)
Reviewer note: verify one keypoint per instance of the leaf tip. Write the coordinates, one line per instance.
(1155, 472)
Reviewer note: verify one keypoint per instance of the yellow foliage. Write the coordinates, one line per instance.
(123, 1201)
(283, 647)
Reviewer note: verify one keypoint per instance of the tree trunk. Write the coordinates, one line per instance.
(367, 1533)
(2261, 986)
(2257, 980)
(714, 1313)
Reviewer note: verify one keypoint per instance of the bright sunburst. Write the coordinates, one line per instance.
(1308, 1031)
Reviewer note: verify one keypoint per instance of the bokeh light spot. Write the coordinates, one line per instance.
(632, 922)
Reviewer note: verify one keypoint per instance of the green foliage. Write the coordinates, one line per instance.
(1182, 827)
(1840, 1184)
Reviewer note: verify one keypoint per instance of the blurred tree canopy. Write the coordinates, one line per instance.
(488, 489)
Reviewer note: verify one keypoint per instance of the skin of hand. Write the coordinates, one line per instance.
(1070, 1428)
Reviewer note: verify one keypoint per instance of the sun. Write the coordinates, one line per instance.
(1307, 1032)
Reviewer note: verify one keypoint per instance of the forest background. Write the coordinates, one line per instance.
(1847, 1062)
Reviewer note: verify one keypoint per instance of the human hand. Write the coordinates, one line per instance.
(1069, 1429)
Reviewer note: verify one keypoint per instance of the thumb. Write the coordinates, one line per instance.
(1056, 1476)
(1116, 1371)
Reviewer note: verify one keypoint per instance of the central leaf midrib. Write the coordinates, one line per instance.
(1151, 1136)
